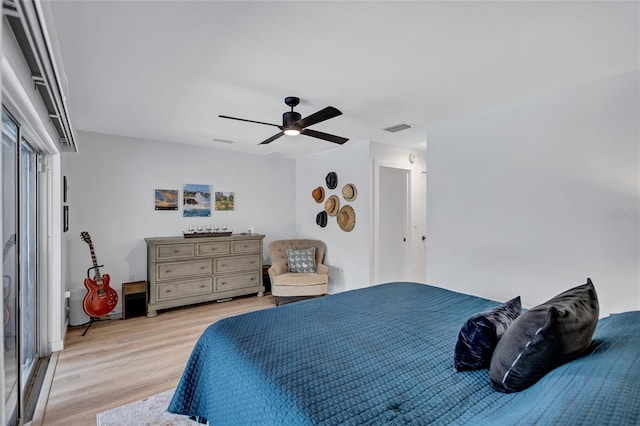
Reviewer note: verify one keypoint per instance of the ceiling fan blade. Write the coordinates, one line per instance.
(271, 139)
(250, 121)
(326, 136)
(317, 117)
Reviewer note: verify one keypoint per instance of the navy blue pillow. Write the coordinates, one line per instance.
(545, 337)
(479, 335)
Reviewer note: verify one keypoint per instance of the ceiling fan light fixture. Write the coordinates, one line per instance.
(293, 124)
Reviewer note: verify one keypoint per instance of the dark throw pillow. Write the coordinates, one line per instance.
(479, 335)
(545, 337)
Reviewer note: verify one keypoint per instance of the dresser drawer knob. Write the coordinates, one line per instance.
(167, 271)
(176, 251)
(224, 265)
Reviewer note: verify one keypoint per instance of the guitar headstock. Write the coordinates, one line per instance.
(85, 237)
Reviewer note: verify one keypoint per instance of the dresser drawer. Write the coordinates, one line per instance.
(134, 287)
(237, 263)
(212, 249)
(248, 246)
(171, 270)
(232, 282)
(176, 290)
(175, 251)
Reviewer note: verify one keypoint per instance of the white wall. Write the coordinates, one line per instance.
(351, 255)
(348, 253)
(535, 197)
(111, 183)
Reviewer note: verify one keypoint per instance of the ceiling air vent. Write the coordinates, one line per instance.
(227, 141)
(398, 128)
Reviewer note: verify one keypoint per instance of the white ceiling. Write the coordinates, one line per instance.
(165, 70)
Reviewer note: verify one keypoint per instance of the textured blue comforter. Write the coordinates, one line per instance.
(384, 355)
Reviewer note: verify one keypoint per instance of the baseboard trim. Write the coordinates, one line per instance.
(57, 345)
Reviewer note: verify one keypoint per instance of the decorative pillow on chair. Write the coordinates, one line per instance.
(545, 337)
(302, 260)
(479, 335)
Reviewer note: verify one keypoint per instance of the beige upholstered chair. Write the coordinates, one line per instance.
(295, 284)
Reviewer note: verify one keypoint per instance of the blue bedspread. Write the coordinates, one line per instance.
(384, 355)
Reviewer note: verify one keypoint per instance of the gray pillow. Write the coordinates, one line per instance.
(480, 333)
(545, 337)
(302, 260)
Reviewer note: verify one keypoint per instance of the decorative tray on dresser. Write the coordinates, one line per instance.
(183, 271)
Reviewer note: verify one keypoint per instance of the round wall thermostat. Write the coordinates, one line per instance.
(412, 158)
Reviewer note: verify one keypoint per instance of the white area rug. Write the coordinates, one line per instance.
(146, 412)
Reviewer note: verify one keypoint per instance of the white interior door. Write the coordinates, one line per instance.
(393, 225)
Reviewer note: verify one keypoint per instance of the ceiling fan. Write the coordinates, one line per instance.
(293, 123)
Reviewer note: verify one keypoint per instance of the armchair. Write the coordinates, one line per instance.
(285, 283)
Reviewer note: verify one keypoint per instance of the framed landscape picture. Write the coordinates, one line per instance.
(196, 200)
(225, 201)
(65, 218)
(166, 199)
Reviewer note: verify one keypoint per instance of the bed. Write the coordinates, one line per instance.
(384, 355)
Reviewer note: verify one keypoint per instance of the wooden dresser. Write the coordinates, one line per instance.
(183, 271)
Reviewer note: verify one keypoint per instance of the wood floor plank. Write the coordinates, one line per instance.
(122, 361)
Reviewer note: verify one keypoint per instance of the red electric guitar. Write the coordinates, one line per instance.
(100, 299)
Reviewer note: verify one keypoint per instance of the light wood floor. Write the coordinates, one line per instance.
(121, 361)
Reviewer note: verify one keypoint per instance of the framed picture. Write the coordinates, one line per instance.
(166, 199)
(225, 201)
(65, 218)
(196, 200)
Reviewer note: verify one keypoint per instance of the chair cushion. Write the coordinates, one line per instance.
(545, 337)
(299, 279)
(302, 260)
(480, 334)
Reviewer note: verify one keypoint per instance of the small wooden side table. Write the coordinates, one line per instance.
(134, 299)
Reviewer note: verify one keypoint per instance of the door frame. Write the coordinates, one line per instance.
(24, 109)
(375, 258)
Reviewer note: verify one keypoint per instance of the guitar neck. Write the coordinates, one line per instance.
(95, 262)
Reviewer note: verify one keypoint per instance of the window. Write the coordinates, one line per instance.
(20, 266)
